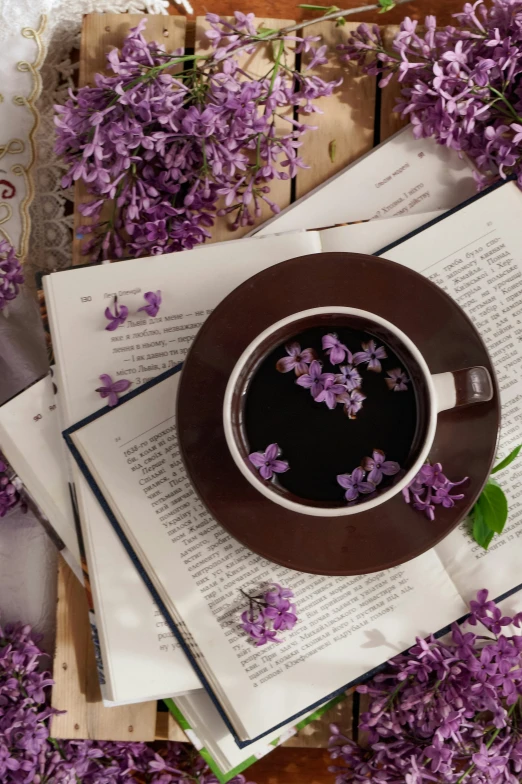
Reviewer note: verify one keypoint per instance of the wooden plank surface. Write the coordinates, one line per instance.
(76, 688)
(391, 122)
(348, 120)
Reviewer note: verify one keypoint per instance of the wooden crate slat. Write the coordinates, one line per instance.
(76, 688)
(348, 119)
(390, 121)
(257, 64)
(348, 115)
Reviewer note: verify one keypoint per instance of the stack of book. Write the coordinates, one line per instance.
(164, 577)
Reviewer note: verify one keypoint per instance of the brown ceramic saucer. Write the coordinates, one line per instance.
(379, 538)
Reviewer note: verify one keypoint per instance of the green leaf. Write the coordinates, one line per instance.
(507, 460)
(481, 533)
(332, 149)
(494, 507)
(386, 5)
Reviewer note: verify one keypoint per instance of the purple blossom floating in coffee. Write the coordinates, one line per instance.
(330, 393)
(370, 354)
(153, 303)
(349, 377)
(355, 483)
(337, 351)
(269, 613)
(353, 402)
(315, 379)
(297, 359)
(377, 467)
(267, 462)
(397, 380)
(111, 389)
(118, 318)
(431, 487)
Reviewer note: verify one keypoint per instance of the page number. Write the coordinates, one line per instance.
(118, 439)
(85, 299)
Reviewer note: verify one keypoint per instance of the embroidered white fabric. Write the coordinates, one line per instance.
(27, 558)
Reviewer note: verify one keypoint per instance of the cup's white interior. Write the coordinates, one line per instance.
(266, 488)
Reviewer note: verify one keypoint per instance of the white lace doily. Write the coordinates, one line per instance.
(51, 208)
(27, 557)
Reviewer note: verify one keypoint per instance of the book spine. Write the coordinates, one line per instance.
(88, 592)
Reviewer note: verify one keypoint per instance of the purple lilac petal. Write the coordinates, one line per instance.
(153, 303)
(371, 354)
(397, 380)
(11, 275)
(297, 359)
(337, 351)
(111, 389)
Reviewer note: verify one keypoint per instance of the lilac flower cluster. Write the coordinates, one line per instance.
(9, 493)
(11, 275)
(445, 712)
(163, 150)
(343, 387)
(28, 755)
(269, 614)
(461, 83)
(366, 477)
(430, 488)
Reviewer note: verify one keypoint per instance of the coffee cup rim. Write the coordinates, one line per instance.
(264, 487)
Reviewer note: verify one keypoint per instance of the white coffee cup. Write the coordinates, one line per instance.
(435, 393)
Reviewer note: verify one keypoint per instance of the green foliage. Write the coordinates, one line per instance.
(490, 513)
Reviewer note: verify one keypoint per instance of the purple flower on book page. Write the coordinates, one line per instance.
(397, 380)
(268, 613)
(120, 314)
(153, 303)
(336, 350)
(371, 354)
(355, 483)
(282, 614)
(268, 463)
(349, 377)
(315, 379)
(378, 466)
(111, 389)
(297, 359)
(330, 393)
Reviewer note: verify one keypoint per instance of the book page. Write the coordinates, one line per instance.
(402, 176)
(131, 629)
(371, 236)
(31, 440)
(347, 624)
(475, 255)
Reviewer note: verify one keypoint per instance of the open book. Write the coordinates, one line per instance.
(30, 439)
(321, 657)
(403, 176)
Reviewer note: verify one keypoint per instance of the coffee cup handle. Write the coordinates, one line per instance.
(462, 387)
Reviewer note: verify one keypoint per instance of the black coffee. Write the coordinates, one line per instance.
(320, 443)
